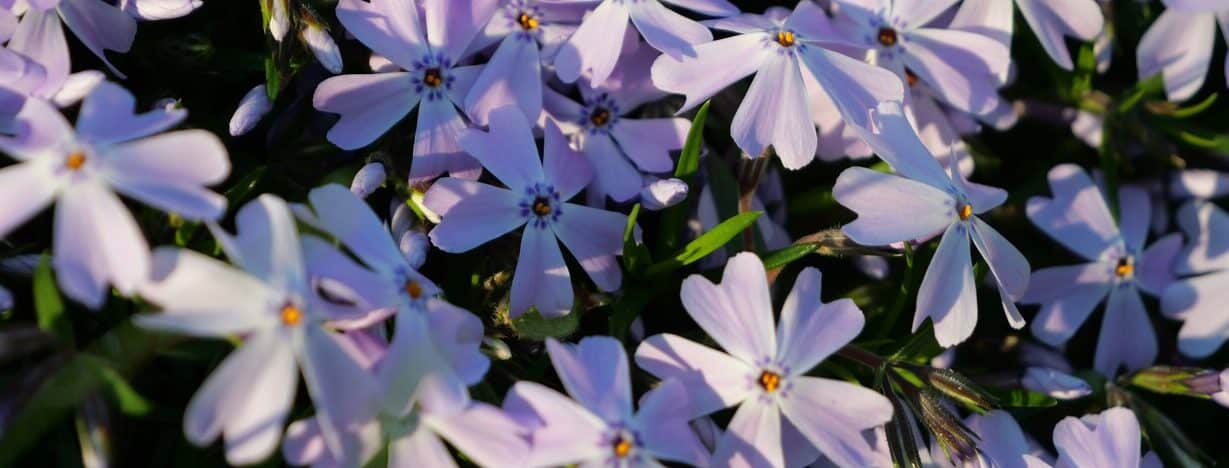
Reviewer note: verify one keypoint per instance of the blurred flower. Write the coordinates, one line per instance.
(473, 213)
(660, 194)
(1054, 383)
(253, 107)
(97, 241)
(1179, 45)
(529, 33)
(777, 48)
(152, 10)
(272, 304)
(1050, 20)
(920, 202)
(1198, 183)
(600, 426)
(620, 148)
(428, 49)
(1198, 300)
(765, 371)
(596, 45)
(99, 25)
(1119, 266)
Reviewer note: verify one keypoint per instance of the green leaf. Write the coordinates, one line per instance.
(534, 326)
(1174, 447)
(48, 306)
(126, 398)
(674, 218)
(245, 186)
(273, 79)
(629, 305)
(636, 256)
(1021, 398)
(1150, 87)
(706, 243)
(1191, 111)
(785, 256)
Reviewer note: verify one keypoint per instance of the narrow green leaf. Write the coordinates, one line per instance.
(706, 243)
(674, 218)
(785, 256)
(1085, 70)
(48, 306)
(126, 398)
(629, 305)
(1191, 111)
(1150, 87)
(636, 256)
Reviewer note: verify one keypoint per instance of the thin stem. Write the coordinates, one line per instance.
(750, 170)
(861, 356)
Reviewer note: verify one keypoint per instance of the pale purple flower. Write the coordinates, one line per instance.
(1118, 267)
(529, 33)
(1054, 383)
(97, 241)
(1179, 45)
(923, 201)
(764, 372)
(426, 42)
(595, 47)
(598, 426)
(779, 51)
(537, 197)
(619, 148)
(954, 64)
(272, 304)
(1198, 183)
(253, 107)
(1106, 440)
(423, 403)
(99, 25)
(660, 194)
(1198, 300)
(1221, 395)
(1052, 21)
(152, 10)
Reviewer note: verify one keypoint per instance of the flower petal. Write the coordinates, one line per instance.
(671, 33)
(169, 171)
(648, 142)
(472, 213)
(1206, 227)
(564, 432)
(856, 87)
(508, 150)
(1126, 338)
(663, 423)
(595, 46)
(485, 435)
(947, 293)
(513, 76)
(437, 148)
(1008, 266)
(108, 116)
(390, 28)
(753, 437)
(613, 172)
(26, 189)
(369, 105)
(595, 373)
(810, 330)
(1199, 302)
(1154, 272)
(347, 217)
(1050, 20)
(714, 380)
(541, 279)
(774, 112)
(40, 36)
(891, 208)
(1077, 217)
(564, 167)
(97, 242)
(832, 415)
(344, 394)
(100, 26)
(710, 70)
(737, 314)
(203, 296)
(1178, 45)
(451, 25)
(594, 237)
(1068, 295)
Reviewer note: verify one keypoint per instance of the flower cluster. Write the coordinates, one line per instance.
(591, 232)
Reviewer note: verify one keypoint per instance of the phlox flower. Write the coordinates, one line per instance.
(272, 304)
(1198, 298)
(152, 10)
(426, 42)
(1052, 21)
(596, 45)
(1118, 267)
(598, 426)
(1179, 45)
(97, 242)
(779, 50)
(529, 34)
(1106, 440)
(98, 24)
(473, 213)
(764, 372)
(620, 149)
(423, 402)
(921, 201)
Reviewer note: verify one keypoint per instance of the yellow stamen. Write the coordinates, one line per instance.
(1125, 268)
(291, 315)
(600, 117)
(966, 212)
(541, 206)
(75, 160)
(785, 38)
(433, 78)
(770, 381)
(413, 289)
(623, 447)
(527, 22)
(887, 36)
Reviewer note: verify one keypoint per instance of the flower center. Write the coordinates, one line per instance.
(770, 381)
(887, 36)
(966, 212)
(911, 78)
(291, 314)
(413, 289)
(785, 38)
(600, 116)
(75, 160)
(527, 21)
(1125, 267)
(541, 206)
(433, 77)
(622, 447)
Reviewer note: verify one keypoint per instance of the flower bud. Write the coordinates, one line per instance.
(961, 389)
(1054, 383)
(662, 194)
(368, 178)
(414, 245)
(320, 43)
(253, 107)
(279, 19)
(1173, 380)
(958, 442)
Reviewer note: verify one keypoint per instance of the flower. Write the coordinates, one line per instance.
(97, 241)
(600, 427)
(427, 50)
(659, 194)
(98, 24)
(777, 48)
(473, 213)
(1119, 266)
(273, 305)
(596, 45)
(764, 373)
(920, 202)
(152, 10)
(1054, 383)
(1179, 45)
(531, 32)
(1108, 439)
(1050, 20)
(620, 148)
(1197, 298)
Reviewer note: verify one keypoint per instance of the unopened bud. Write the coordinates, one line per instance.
(961, 389)
(1168, 379)
(253, 107)
(318, 40)
(1054, 383)
(958, 442)
(279, 19)
(662, 194)
(414, 245)
(368, 178)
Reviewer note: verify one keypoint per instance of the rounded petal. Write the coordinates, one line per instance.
(737, 314)
(595, 374)
(832, 415)
(471, 213)
(541, 279)
(594, 237)
(810, 330)
(369, 105)
(891, 208)
(1178, 46)
(714, 380)
(1077, 217)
